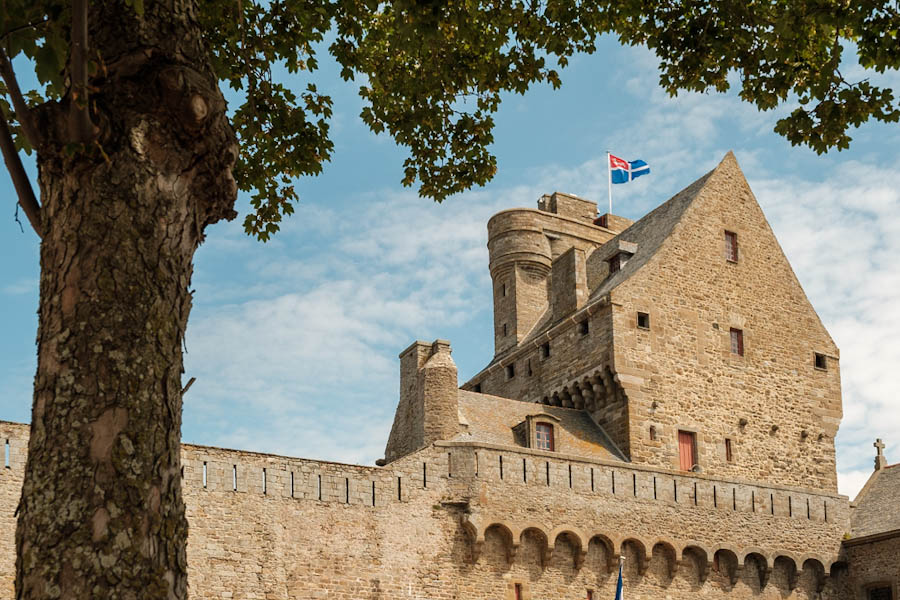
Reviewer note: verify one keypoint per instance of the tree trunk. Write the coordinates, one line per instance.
(101, 514)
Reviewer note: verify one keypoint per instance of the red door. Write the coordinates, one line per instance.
(686, 450)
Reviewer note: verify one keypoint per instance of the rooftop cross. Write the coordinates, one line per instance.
(880, 460)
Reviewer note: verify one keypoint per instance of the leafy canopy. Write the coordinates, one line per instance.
(433, 72)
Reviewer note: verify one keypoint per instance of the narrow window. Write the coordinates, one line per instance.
(373, 493)
(675, 489)
(808, 511)
(695, 493)
(615, 263)
(503, 290)
(518, 588)
(590, 595)
(505, 329)
(643, 320)
(233, 478)
(544, 436)
(737, 341)
(292, 484)
(510, 371)
(654, 487)
(715, 498)
(476, 464)
(821, 361)
(731, 246)
(633, 484)
(592, 479)
(524, 471)
(182, 471)
(319, 488)
(790, 507)
(529, 372)
(570, 475)
(424, 475)
(545, 350)
(6, 454)
(399, 488)
(614, 483)
(264, 480)
(347, 490)
(501, 466)
(772, 503)
(733, 498)
(687, 450)
(584, 327)
(547, 470)
(204, 474)
(652, 433)
(449, 464)
(825, 509)
(477, 388)
(728, 455)
(752, 501)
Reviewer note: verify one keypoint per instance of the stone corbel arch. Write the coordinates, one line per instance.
(763, 562)
(731, 556)
(672, 550)
(575, 534)
(610, 544)
(470, 524)
(545, 550)
(818, 566)
(703, 557)
(643, 552)
(792, 569)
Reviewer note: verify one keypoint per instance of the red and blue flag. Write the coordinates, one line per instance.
(623, 171)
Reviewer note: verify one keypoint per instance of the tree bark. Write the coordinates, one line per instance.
(101, 514)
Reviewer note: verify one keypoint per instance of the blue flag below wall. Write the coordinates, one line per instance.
(620, 594)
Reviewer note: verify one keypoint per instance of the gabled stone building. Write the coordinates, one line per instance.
(661, 390)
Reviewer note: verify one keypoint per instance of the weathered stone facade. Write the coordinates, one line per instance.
(567, 451)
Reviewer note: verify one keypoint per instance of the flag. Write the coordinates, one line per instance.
(620, 594)
(622, 171)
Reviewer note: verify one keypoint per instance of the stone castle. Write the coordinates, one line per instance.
(661, 390)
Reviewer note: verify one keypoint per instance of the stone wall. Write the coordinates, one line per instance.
(264, 526)
(876, 563)
(780, 412)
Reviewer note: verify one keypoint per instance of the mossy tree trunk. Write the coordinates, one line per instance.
(101, 514)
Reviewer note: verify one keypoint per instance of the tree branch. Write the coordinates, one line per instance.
(20, 179)
(23, 113)
(81, 129)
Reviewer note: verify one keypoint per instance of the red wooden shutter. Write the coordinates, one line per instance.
(686, 450)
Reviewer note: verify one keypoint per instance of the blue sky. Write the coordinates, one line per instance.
(294, 343)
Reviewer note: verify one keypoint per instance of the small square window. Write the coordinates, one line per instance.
(821, 361)
(545, 350)
(643, 320)
(881, 593)
(728, 455)
(543, 434)
(584, 327)
(510, 371)
(737, 341)
(477, 388)
(731, 246)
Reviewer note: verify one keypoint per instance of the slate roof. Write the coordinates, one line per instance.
(878, 504)
(490, 419)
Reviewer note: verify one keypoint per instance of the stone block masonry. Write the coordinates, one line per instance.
(429, 526)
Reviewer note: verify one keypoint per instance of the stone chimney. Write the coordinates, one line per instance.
(429, 406)
(568, 283)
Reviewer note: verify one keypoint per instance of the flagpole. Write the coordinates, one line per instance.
(609, 180)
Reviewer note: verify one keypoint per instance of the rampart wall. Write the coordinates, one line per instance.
(264, 526)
